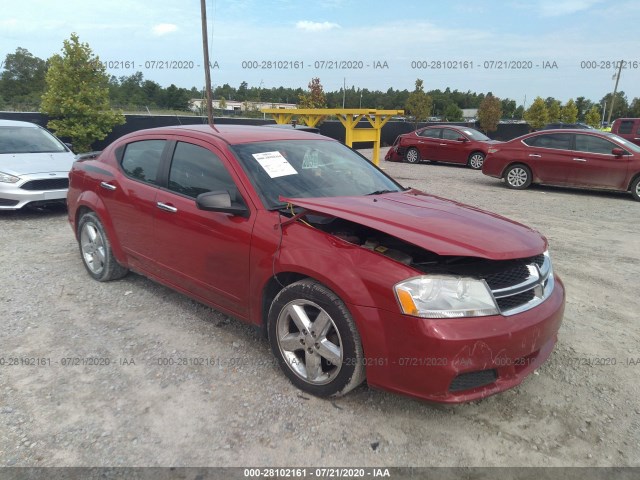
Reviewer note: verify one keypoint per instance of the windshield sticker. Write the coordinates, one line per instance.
(274, 164)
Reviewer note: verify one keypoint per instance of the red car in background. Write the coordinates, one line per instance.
(442, 143)
(575, 158)
(349, 275)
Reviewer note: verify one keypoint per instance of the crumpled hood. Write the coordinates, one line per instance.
(436, 224)
(30, 163)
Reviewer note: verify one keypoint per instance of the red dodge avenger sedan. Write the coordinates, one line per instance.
(350, 275)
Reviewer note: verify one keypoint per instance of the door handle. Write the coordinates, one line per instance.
(443, 144)
(108, 186)
(166, 208)
(580, 159)
(535, 155)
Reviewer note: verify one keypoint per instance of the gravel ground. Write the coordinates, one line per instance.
(148, 407)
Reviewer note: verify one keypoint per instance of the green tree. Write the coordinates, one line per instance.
(22, 81)
(314, 98)
(553, 111)
(508, 108)
(620, 106)
(419, 104)
(519, 113)
(489, 113)
(537, 115)
(222, 103)
(583, 106)
(77, 96)
(634, 108)
(593, 117)
(569, 113)
(453, 113)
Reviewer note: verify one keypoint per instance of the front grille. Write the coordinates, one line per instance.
(469, 380)
(6, 202)
(522, 285)
(514, 301)
(47, 184)
(507, 278)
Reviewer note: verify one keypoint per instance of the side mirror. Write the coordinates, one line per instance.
(618, 152)
(220, 201)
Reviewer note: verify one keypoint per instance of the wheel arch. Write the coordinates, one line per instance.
(90, 202)
(632, 180)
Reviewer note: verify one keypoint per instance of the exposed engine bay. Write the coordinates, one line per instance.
(416, 257)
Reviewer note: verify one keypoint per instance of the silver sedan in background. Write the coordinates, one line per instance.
(34, 166)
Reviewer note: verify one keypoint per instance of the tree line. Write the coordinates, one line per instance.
(22, 84)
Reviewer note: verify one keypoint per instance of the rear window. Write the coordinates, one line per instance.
(141, 160)
(626, 126)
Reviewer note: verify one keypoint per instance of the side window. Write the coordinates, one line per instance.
(589, 143)
(625, 126)
(560, 141)
(141, 160)
(430, 132)
(195, 170)
(449, 134)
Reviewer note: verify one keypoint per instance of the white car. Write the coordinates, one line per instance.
(34, 166)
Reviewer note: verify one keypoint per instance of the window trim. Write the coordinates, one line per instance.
(122, 150)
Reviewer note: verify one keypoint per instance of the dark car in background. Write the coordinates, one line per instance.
(576, 158)
(349, 274)
(557, 125)
(442, 143)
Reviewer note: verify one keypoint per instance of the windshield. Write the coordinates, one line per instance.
(28, 140)
(309, 168)
(475, 134)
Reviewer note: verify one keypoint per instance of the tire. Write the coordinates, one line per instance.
(635, 189)
(95, 250)
(412, 155)
(326, 362)
(518, 177)
(476, 159)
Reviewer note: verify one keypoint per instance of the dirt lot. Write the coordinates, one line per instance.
(580, 409)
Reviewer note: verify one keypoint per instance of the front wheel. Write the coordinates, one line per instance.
(412, 155)
(635, 189)
(95, 249)
(476, 159)
(518, 177)
(315, 340)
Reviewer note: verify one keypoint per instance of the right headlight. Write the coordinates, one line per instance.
(443, 296)
(6, 178)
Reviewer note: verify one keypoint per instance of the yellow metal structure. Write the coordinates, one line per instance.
(349, 117)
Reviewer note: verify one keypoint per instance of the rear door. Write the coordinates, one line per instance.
(596, 166)
(130, 198)
(205, 253)
(550, 156)
(429, 143)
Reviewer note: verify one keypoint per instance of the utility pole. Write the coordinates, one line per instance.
(207, 69)
(615, 89)
(344, 90)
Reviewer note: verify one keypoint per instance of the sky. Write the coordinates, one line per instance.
(515, 49)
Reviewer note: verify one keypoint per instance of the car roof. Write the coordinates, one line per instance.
(17, 123)
(232, 134)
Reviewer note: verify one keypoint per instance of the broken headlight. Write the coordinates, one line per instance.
(442, 296)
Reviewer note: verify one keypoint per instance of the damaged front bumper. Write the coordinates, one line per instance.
(457, 360)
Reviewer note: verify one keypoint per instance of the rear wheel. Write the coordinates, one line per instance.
(518, 177)
(476, 159)
(315, 340)
(412, 155)
(635, 189)
(95, 249)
